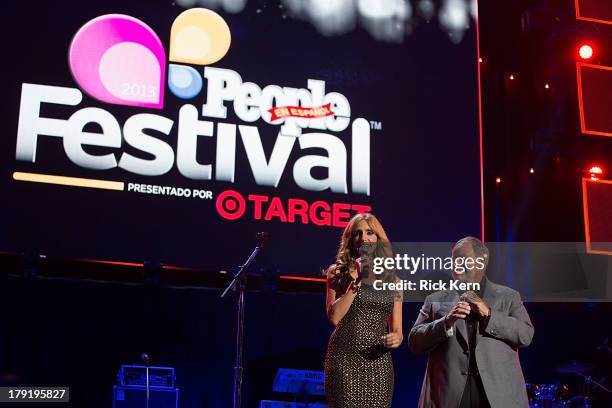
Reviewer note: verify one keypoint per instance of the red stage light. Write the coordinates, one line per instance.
(596, 172)
(585, 51)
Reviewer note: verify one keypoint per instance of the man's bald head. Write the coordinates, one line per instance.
(470, 248)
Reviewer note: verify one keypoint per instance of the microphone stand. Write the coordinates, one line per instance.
(147, 361)
(148, 385)
(239, 283)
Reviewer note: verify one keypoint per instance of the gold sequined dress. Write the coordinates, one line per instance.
(358, 367)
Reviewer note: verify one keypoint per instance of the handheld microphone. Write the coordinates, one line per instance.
(145, 358)
(364, 252)
(365, 248)
(466, 296)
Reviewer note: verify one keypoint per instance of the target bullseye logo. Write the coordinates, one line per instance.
(119, 59)
(231, 204)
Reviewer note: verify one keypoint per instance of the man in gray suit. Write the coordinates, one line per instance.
(472, 339)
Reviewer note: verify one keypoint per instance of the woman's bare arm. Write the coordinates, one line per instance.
(338, 306)
(395, 336)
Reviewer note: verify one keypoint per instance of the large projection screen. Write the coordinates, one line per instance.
(148, 131)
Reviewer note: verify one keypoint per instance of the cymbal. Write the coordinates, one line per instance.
(574, 367)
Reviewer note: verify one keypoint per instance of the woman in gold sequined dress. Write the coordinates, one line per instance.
(358, 366)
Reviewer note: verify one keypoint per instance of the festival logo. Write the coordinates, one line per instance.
(120, 60)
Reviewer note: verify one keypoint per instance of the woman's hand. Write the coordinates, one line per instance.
(355, 284)
(363, 266)
(392, 340)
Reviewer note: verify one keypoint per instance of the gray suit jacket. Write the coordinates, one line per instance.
(497, 346)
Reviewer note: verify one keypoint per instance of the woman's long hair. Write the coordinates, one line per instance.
(347, 254)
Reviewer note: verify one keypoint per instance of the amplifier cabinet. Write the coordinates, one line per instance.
(135, 397)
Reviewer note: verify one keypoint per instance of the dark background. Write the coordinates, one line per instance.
(78, 332)
(425, 166)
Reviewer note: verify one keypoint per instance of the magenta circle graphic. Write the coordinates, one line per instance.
(119, 59)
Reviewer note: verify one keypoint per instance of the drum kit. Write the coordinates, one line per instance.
(558, 395)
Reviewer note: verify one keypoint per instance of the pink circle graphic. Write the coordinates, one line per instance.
(119, 59)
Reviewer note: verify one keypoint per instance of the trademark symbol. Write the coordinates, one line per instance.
(375, 125)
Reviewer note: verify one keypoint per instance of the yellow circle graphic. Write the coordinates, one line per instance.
(199, 36)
